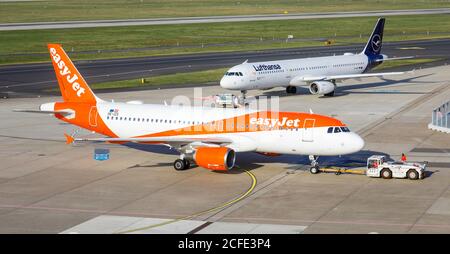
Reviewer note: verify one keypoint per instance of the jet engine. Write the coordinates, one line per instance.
(321, 87)
(215, 158)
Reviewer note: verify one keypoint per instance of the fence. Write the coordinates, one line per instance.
(440, 118)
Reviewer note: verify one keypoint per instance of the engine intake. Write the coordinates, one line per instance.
(321, 87)
(215, 158)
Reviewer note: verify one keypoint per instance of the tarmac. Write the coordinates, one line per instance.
(47, 186)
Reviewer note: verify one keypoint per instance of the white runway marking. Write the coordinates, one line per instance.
(107, 224)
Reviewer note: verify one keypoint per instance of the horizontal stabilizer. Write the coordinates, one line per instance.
(62, 112)
(394, 58)
(69, 139)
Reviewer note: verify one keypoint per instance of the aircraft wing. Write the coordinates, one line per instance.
(165, 139)
(346, 76)
(239, 144)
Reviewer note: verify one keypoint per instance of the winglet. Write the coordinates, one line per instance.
(69, 138)
(311, 112)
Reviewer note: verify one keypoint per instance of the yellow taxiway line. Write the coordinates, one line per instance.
(217, 208)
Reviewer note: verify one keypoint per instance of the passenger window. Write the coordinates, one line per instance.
(337, 130)
(330, 130)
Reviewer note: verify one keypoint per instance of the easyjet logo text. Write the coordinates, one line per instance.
(65, 72)
(276, 122)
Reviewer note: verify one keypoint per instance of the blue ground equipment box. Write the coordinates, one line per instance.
(101, 154)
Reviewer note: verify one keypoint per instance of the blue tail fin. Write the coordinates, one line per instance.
(373, 46)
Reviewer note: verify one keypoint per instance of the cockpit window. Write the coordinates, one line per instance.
(233, 74)
(337, 129)
(345, 129)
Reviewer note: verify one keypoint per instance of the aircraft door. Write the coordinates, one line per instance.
(308, 130)
(93, 113)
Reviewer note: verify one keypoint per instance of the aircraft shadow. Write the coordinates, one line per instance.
(356, 160)
(343, 90)
(251, 161)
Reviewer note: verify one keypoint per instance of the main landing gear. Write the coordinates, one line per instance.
(291, 89)
(314, 169)
(181, 164)
(331, 94)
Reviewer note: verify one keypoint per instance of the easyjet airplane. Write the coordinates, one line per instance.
(320, 74)
(208, 137)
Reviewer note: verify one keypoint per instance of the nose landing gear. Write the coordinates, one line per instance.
(243, 93)
(314, 169)
(243, 98)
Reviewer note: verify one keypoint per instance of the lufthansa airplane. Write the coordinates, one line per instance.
(320, 74)
(208, 137)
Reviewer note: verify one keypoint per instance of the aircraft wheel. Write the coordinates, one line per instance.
(179, 164)
(386, 173)
(314, 170)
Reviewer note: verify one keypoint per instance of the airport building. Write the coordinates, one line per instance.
(440, 118)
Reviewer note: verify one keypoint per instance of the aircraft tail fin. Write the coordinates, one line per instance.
(72, 85)
(373, 46)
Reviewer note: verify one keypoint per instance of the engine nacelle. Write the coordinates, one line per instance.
(215, 158)
(321, 87)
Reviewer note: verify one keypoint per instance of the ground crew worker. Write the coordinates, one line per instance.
(403, 157)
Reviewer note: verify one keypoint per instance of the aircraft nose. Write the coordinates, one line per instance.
(356, 143)
(225, 83)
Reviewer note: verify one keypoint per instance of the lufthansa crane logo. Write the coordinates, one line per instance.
(376, 43)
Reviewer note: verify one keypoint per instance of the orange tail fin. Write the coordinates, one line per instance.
(72, 85)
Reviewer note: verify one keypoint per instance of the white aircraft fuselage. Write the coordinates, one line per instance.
(319, 73)
(265, 75)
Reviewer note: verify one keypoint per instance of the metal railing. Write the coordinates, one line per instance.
(440, 118)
